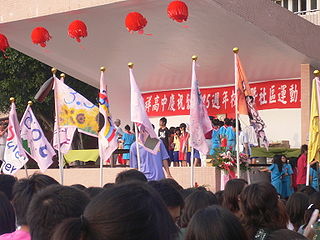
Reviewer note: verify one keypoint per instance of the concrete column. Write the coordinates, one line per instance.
(299, 5)
(308, 5)
(318, 4)
(306, 85)
(290, 5)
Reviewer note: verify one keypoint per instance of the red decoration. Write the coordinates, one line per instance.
(178, 11)
(3, 43)
(135, 22)
(77, 29)
(40, 36)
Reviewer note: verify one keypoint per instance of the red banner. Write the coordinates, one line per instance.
(221, 100)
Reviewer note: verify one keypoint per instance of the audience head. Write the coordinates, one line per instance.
(219, 196)
(285, 234)
(117, 122)
(126, 211)
(172, 130)
(163, 122)
(186, 192)
(296, 206)
(93, 191)
(183, 127)
(173, 183)
(284, 159)
(7, 216)
(307, 190)
(215, 223)
(108, 185)
(177, 131)
(23, 191)
(231, 194)
(314, 203)
(197, 200)
(78, 186)
(127, 127)
(130, 175)
(51, 206)
(171, 198)
(260, 209)
(6, 185)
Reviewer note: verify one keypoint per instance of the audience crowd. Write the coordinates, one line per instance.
(132, 208)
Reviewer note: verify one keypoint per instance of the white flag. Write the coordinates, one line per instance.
(147, 136)
(200, 123)
(34, 141)
(14, 154)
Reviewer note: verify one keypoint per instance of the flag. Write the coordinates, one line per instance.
(314, 135)
(147, 136)
(108, 142)
(34, 141)
(200, 123)
(246, 103)
(14, 154)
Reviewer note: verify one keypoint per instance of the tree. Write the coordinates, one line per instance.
(21, 77)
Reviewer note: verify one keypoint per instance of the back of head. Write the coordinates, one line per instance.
(296, 206)
(6, 185)
(307, 190)
(219, 196)
(260, 209)
(51, 206)
(285, 234)
(78, 186)
(173, 183)
(108, 185)
(186, 192)
(23, 191)
(231, 194)
(215, 223)
(93, 191)
(196, 201)
(130, 175)
(126, 211)
(7, 217)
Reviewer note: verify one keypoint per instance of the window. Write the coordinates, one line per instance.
(313, 4)
(303, 5)
(294, 5)
(285, 4)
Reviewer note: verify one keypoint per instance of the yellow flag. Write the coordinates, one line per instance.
(314, 135)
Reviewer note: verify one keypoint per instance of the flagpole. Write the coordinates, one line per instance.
(236, 50)
(54, 70)
(102, 69)
(192, 167)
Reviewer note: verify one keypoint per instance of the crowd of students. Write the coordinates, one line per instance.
(39, 208)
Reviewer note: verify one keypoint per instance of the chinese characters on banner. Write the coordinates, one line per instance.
(221, 100)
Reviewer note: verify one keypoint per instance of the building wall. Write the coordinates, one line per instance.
(282, 124)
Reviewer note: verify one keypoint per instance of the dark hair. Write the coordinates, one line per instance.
(186, 192)
(93, 191)
(215, 223)
(183, 125)
(24, 190)
(130, 175)
(164, 120)
(285, 234)
(260, 209)
(172, 130)
(304, 149)
(6, 185)
(227, 122)
(296, 206)
(52, 205)
(173, 183)
(7, 217)
(231, 194)
(195, 201)
(177, 129)
(126, 211)
(170, 196)
(78, 186)
(127, 127)
(314, 203)
(108, 185)
(293, 162)
(219, 196)
(307, 190)
(278, 162)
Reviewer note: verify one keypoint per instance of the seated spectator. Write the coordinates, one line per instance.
(108, 185)
(307, 190)
(130, 175)
(78, 186)
(231, 195)
(126, 211)
(51, 206)
(93, 191)
(296, 206)
(7, 216)
(285, 234)
(260, 209)
(171, 197)
(23, 191)
(173, 183)
(6, 185)
(215, 223)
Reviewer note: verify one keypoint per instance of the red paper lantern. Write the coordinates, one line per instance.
(3, 43)
(77, 29)
(178, 11)
(40, 36)
(135, 22)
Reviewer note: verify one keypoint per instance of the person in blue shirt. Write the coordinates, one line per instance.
(215, 140)
(127, 138)
(287, 189)
(275, 169)
(314, 178)
(231, 135)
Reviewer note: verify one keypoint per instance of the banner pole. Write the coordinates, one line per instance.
(53, 70)
(26, 170)
(236, 50)
(137, 146)
(192, 166)
(308, 174)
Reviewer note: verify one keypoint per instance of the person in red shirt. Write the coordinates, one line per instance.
(302, 167)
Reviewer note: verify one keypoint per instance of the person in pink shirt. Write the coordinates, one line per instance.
(23, 191)
(302, 167)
